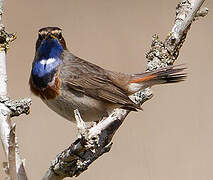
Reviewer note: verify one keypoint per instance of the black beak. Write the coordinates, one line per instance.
(49, 36)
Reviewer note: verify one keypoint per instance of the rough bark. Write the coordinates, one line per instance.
(14, 167)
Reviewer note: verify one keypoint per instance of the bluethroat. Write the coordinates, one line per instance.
(66, 82)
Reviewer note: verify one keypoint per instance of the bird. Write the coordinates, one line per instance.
(65, 82)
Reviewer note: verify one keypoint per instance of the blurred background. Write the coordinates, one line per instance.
(171, 139)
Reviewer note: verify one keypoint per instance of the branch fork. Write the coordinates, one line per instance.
(18, 107)
(14, 166)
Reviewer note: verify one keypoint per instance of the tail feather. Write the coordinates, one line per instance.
(174, 78)
(169, 74)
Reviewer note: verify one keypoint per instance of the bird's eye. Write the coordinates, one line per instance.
(60, 36)
(40, 36)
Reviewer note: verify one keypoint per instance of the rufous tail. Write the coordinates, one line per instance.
(169, 74)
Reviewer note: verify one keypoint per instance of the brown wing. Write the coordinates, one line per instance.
(93, 81)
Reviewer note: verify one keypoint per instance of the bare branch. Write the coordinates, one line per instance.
(12, 154)
(96, 140)
(9, 108)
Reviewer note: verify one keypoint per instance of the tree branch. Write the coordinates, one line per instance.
(96, 140)
(14, 167)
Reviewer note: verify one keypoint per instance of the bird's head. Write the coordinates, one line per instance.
(52, 36)
(49, 48)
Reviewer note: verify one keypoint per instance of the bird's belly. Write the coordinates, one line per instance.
(89, 108)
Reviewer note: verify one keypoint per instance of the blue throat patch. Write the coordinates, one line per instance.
(46, 62)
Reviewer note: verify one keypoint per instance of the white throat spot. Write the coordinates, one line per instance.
(47, 61)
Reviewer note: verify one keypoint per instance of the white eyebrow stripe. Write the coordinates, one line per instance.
(47, 61)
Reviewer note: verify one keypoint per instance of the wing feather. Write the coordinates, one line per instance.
(93, 81)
